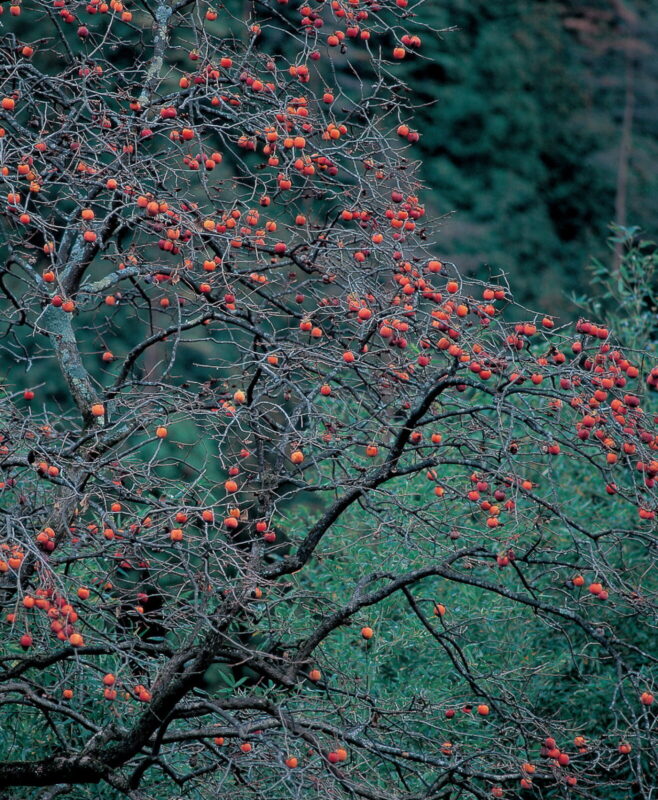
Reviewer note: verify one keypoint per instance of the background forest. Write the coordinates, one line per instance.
(539, 129)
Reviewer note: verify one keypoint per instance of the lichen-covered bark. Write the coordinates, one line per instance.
(58, 325)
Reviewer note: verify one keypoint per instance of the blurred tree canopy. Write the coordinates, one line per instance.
(538, 130)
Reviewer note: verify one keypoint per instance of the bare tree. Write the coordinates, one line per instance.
(269, 408)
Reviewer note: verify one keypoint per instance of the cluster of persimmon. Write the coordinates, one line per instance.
(110, 692)
(296, 114)
(58, 609)
(586, 389)
(93, 7)
(558, 759)
(12, 557)
(606, 369)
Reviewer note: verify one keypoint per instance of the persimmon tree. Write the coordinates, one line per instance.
(289, 506)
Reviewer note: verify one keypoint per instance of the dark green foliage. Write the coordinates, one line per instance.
(521, 124)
